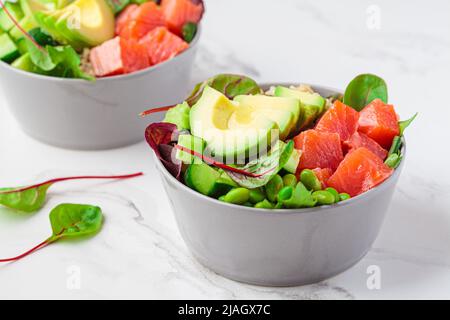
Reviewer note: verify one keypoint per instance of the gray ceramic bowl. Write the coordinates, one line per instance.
(77, 114)
(278, 247)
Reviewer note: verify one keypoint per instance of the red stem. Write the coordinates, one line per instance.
(52, 181)
(26, 34)
(155, 110)
(23, 255)
(220, 164)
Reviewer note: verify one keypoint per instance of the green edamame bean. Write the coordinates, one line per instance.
(344, 196)
(323, 197)
(273, 187)
(222, 198)
(265, 204)
(310, 180)
(248, 204)
(237, 196)
(285, 193)
(290, 180)
(333, 191)
(256, 195)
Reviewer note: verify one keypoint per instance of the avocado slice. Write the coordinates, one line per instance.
(284, 111)
(312, 104)
(8, 49)
(97, 26)
(62, 25)
(229, 130)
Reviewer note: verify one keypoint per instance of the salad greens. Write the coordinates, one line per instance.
(364, 89)
(340, 155)
(265, 167)
(112, 37)
(32, 198)
(68, 221)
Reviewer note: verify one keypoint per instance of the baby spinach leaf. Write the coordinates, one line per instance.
(393, 160)
(29, 200)
(32, 198)
(230, 85)
(41, 37)
(75, 220)
(59, 61)
(68, 221)
(364, 89)
(264, 168)
(117, 5)
(405, 124)
(189, 31)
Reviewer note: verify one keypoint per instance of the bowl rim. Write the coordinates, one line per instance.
(323, 208)
(150, 69)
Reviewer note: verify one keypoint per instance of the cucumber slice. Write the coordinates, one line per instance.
(5, 21)
(222, 186)
(8, 49)
(24, 63)
(27, 23)
(201, 178)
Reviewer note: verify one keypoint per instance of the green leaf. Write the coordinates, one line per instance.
(301, 198)
(68, 62)
(268, 166)
(29, 200)
(41, 37)
(396, 145)
(363, 90)
(393, 160)
(179, 115)
(40, 56)
(189, 31)
(405, 123)
(118, 5)
(75, 220)
(229, 84)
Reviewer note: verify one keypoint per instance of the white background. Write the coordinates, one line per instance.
(139, 253)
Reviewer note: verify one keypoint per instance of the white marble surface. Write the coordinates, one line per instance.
(139, 253)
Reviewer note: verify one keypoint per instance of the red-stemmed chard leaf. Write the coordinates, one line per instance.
(160, 137)
(221, 165)
(32, 198)
(68, 221)
(231, 85)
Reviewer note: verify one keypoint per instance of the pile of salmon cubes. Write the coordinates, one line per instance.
(146, 35)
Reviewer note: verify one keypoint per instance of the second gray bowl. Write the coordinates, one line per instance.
(78, 114)
(279, 247)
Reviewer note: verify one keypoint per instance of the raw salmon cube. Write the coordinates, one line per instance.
(128, 14)
(144, 19)
(118, 56)
(162, 45)
(360, 171)
(380, 122)
(319, 149)
(340, 119)
(180, 12)
(323, 174)
(359, 139)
